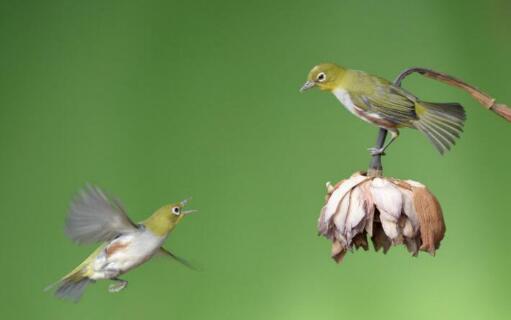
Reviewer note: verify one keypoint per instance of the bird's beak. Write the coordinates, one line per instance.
(307, 85)
(185, 202)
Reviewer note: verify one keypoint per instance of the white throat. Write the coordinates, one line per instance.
(344, 97)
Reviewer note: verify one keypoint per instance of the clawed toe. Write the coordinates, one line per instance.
(377, 151)
(116, 287)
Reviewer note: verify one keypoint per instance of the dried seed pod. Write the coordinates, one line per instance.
(388, 210)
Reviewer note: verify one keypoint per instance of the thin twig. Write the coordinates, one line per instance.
(482, 97)
(487, 101)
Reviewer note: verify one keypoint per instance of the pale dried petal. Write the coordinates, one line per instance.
(408, 230)
(339, 219)
(412, 224)
(339, 193)
(349, 220)
(329, 188)
(389, 202)
(322, 225)
(365, 187)
(355, 221)
(415, 184)
(334, 200)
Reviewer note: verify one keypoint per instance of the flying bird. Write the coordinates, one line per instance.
(94, 217)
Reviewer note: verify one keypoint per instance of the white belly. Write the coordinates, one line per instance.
(344, 97)
(125, 253)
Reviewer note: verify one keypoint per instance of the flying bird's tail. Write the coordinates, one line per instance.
(442, 123)
(72, 285)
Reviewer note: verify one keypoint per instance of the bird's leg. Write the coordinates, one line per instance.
(381, 151)
(118, 285)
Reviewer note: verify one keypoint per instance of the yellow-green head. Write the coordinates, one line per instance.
(166, 218)
(325, 76)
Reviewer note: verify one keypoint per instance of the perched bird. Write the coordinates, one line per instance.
(385, 105)
(94, 217)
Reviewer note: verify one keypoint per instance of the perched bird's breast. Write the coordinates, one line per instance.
(344, 97)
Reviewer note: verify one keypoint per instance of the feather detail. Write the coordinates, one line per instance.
(442, 123)
(93, 217)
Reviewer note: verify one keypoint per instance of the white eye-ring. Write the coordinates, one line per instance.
(176, 211)
(321, 77)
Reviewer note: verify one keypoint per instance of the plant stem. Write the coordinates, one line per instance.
(376, 167)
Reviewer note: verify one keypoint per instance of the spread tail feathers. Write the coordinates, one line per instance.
(442, 123)
(71, 287)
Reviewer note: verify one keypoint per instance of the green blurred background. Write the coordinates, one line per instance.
(156, 101)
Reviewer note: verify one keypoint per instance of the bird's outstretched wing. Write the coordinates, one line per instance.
(379, 96)
(166, 253)
(93, 217)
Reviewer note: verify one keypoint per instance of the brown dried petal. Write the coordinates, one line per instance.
(380, 239)
(360, 241)
(429, 214)
(412, 244)
(338, 251)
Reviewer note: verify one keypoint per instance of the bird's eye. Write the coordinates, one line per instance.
(321, 77)
(176, 211)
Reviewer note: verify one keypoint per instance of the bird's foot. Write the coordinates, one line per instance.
(377, 151)
(118, 286)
